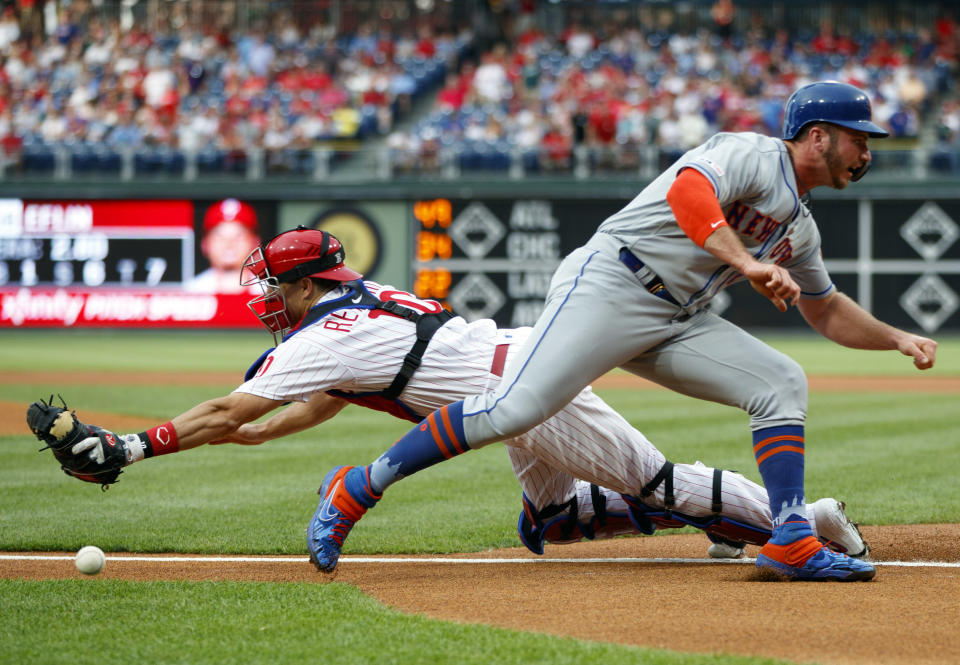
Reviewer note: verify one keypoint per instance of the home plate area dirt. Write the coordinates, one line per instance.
(599, 591)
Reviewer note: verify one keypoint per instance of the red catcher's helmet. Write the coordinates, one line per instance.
(230, 210)
(288, 257)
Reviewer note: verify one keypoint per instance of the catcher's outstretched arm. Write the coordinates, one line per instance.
(96, 455)
(216, 418)
(294, 418)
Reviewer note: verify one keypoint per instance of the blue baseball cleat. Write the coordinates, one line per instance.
(331, 523)
(824, 564)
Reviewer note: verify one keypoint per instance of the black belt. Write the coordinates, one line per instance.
(653, 284)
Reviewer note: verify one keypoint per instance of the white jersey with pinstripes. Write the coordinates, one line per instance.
(361, 350)
(754, 181)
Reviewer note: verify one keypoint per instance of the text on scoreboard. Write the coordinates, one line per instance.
(95, 243)
(495, 258)
(107, 263)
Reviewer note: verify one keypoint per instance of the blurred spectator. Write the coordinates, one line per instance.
(948, 123)
(160, 86)
(578, 40)
(490, 82)
(9, 28)
(451, 97)
(126, 133)
(527, 128)
(257, 53)
(912, 91)
(829, 42)
(723, 12)
(230, 232)
(68, 26)
(947, 152)
(557, 147)
(31, 17)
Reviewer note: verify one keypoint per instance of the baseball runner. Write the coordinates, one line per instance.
(636, 296)
(358, 341)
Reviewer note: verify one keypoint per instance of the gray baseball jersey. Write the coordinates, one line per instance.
(602, 313)
(753, 179)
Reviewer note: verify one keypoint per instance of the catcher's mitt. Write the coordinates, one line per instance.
(61, 431)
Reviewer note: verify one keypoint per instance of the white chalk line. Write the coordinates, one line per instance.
(489, 561)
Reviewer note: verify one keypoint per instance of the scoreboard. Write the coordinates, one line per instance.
(106, 263)
(495, 258)
(91, 244)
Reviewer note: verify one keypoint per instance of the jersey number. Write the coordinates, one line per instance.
(411, 301)
(266, 364)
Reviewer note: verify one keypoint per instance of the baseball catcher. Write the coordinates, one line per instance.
(87, 452)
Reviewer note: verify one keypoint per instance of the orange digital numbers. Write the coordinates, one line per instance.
(433, 246)
(433, 284)
(438, 212)
(432, 243)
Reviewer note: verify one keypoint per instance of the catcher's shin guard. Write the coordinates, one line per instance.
(562, 524)
(718, 527)
(558, 520)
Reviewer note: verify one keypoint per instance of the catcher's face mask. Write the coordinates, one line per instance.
(290, 256)
(270, 306)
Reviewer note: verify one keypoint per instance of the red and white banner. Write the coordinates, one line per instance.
(118, 308)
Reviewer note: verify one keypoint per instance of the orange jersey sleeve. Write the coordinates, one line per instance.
(695, 205)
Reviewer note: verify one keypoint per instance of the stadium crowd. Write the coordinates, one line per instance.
(609, 90)
(214, 89)
(620, 88)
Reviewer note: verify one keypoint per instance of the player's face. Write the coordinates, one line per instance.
(848, 151)
(296, 295)
(227, 244)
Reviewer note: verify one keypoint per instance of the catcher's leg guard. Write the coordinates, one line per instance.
(661, 518)
(561, 524)
(718, 528)
(558, 520)
(607, 523)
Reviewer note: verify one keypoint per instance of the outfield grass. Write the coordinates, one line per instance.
(892, 457)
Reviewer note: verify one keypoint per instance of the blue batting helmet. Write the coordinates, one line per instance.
(829, 101)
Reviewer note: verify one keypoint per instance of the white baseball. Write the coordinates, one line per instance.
(90, 560)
